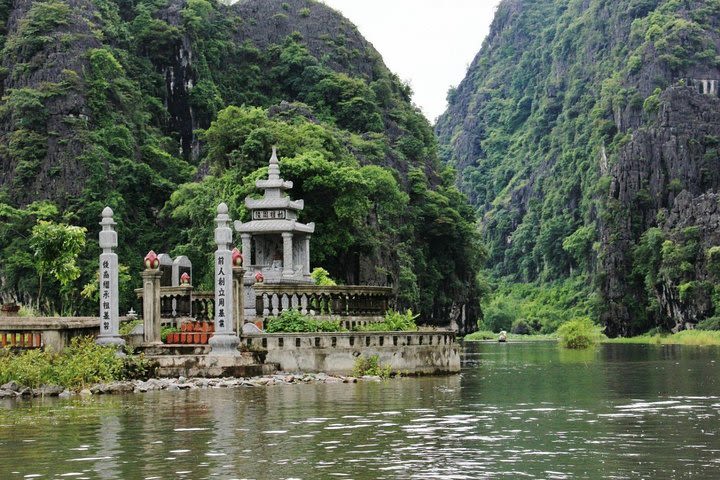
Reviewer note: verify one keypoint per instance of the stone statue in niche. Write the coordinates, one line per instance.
(277, 260)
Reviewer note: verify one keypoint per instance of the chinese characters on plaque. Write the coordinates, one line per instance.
(268, 214)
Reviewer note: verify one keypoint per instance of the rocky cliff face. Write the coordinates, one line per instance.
(584, 132)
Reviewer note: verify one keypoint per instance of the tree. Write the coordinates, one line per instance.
(56, 247)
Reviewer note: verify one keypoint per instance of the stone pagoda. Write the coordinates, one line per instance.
(274, 243)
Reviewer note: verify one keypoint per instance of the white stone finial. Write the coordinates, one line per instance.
(223, 233)
(274, 169)
(108, 236)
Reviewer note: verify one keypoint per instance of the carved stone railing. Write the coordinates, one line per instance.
(50, 333)
(203, 306)
(183, 302)
(341, 300)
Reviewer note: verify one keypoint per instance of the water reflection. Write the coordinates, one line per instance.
(516, 411)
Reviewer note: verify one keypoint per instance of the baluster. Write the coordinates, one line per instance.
(303, 304)
(311, 301)
(284, 302)
(266, 305)
(294, 301)
(275, 305)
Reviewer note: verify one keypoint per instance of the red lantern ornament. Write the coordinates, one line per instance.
(185, 279)
(151, 260)
(259, 277)
(237, 258)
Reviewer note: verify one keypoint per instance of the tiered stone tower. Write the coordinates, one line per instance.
(273, 241)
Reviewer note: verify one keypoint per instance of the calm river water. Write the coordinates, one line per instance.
(516, 411)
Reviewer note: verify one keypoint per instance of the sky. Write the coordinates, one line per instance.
(427, 43)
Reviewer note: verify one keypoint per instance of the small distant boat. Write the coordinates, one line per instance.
(503, 337)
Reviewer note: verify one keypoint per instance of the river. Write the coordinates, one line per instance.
(517, 411)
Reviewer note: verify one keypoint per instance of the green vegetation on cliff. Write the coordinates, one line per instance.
(584, 135)
(162, 109)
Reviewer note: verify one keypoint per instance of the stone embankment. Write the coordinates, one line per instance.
(13, 390)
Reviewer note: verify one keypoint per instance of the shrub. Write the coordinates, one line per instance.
(712, 323)
(129, 326)
(165, 331)
(321, 277)
(82, 363)
(521, 327)
(292, 321)
(579, 333)
(371, 366)
(394, 322)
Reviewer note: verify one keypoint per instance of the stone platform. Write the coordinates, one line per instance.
(191, 361)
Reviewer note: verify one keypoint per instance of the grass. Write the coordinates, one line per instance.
(511, 337)
(686, 337)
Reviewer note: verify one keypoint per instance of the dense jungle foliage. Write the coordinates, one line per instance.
(577, 127)
(163, 108)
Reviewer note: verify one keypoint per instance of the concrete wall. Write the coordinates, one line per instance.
(407, 352)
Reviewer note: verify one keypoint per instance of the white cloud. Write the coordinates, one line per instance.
(428, 43)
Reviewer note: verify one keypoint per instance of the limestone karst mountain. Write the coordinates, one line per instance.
(161, 109)
(586, 134)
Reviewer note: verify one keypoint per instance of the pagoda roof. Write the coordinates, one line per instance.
(273, 226)
(274, 183)
(282, 202)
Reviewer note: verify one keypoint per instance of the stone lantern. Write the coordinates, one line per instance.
(274, 243)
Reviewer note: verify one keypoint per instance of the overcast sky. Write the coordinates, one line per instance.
(428, 43)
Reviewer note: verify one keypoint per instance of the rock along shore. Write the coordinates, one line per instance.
(13, 390)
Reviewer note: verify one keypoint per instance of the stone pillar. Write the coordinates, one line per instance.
(109, 291)
(151, 305)
(247, 249)
(238, 308)
(249, 301)
(224, 341)
(287, 254)
(306, 263)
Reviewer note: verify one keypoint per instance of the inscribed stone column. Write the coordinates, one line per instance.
(287, 254)
(225, 341)
(151, 305)
(109, 297)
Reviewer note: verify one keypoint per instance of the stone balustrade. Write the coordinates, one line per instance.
(182, 302)
(424, 352)
(341, 300)
(50, 333)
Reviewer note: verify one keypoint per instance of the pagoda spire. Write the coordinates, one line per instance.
(274, 169)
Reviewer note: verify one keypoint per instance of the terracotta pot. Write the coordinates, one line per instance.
(203, 338)
(182, 338)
